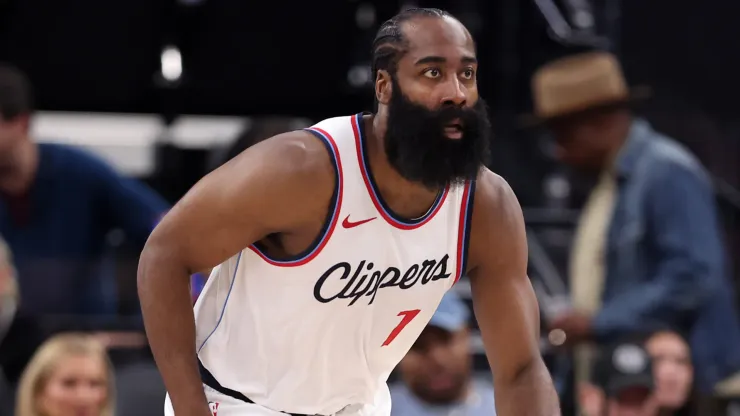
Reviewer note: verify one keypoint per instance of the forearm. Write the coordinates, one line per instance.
(529, 393)
(164, 291)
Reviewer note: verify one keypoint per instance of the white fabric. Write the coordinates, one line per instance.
(293, 341)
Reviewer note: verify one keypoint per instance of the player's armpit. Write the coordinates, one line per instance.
(504, 302)
(275, 186)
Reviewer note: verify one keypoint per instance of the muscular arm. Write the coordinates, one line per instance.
(254, 195)
(504, 302)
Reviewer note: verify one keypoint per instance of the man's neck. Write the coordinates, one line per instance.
(406, 198)
(21, 174)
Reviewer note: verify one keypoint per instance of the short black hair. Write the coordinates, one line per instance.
(389, 44)
(16, 95)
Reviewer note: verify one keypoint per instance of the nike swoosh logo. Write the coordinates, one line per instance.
(348, 224)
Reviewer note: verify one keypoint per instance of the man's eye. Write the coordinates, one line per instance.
(432, 73)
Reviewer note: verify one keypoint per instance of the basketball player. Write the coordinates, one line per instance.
(333, 246)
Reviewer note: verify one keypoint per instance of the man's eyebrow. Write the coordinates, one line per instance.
(430, 60)
(441, 60)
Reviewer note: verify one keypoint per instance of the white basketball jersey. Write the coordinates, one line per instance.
(322, 332)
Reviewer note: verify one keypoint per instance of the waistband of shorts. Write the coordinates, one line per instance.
(209, 380)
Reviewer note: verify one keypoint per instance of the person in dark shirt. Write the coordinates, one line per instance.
(57, 205)
(56, 227)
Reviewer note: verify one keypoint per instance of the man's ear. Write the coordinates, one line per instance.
(383, 87)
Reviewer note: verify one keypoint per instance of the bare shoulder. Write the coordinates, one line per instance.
(297, 156)
(300, 175)
(495, 201)
(493, 189)
(278, 185)
(498, 223)
(284, 168)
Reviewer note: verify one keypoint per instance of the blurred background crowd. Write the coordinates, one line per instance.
(626, 162)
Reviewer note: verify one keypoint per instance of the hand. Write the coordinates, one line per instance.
(576, 325)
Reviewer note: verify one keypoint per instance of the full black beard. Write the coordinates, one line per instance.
(416, 145)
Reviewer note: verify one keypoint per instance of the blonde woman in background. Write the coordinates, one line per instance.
(70, 375)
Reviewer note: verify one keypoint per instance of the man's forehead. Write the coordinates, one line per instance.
(437, 36)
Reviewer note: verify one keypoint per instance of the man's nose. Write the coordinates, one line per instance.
(455, 93)
(438, 355)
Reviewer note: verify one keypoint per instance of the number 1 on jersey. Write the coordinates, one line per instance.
(408, 316)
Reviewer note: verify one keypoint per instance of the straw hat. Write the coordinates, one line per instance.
(577, 83)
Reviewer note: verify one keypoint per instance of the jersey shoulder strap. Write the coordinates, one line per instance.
(345, 133)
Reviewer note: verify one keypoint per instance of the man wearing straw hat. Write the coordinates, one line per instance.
(648, 250)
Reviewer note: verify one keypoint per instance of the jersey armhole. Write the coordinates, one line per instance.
(463, 234)
(332, 215)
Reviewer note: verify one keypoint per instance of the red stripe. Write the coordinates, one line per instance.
(461, 231)
(334, 219)
(390, 220)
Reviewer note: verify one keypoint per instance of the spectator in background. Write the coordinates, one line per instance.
(8, 304)
(672, 369)
(69, 375)
(436, 372)
(6, 398)
(8, 289)
(648, 250)
(621, 383)
(57, 205)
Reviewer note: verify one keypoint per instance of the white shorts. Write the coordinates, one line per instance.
(223, 405)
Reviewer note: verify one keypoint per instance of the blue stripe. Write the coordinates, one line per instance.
(330, 218)
(466, 230)
(226, 301)
(388, 213)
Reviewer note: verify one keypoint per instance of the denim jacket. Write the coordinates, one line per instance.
(665, 259)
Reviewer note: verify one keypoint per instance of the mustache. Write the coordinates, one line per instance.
(445, 114)
(441, 117)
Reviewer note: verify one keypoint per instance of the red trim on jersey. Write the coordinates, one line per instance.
(461, 232)
(378, 206)
(335, 215)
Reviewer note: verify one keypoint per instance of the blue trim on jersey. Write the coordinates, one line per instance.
(467, 221)
(329, 217)
(226, 301)
(374, 188)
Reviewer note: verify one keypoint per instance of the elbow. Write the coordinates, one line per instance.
(157, 261)
(147, 260)
(531, 369)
